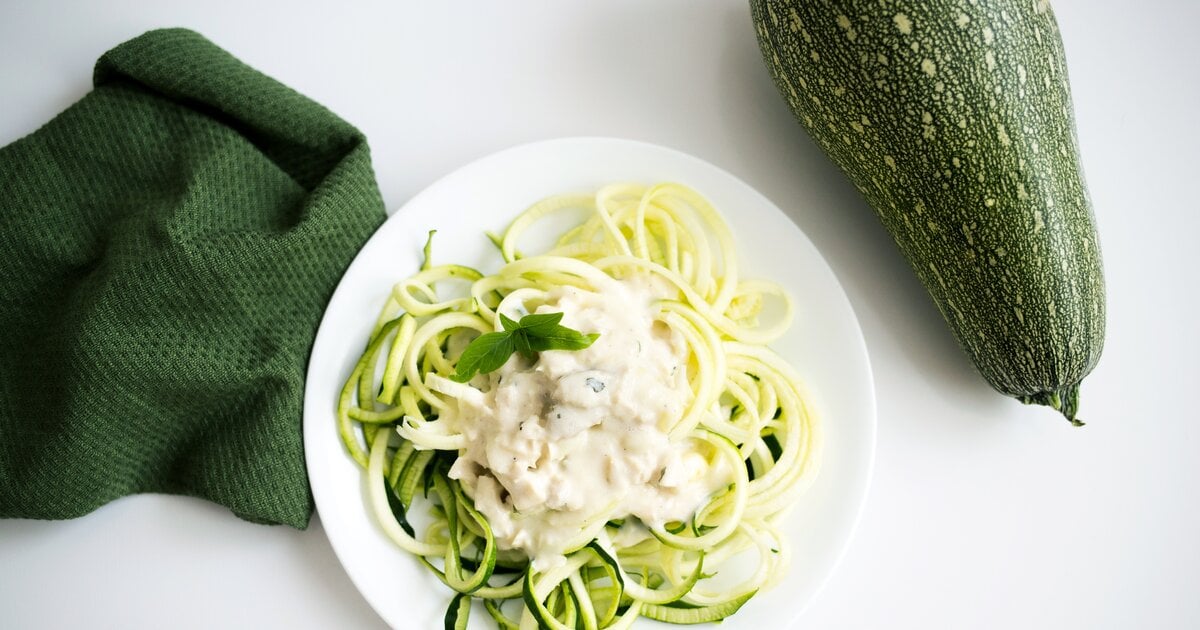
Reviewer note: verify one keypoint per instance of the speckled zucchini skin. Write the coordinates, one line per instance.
(953, 118)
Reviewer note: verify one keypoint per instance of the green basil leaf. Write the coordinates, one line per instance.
(485, 354)
(521, 343)
(562, 338)
(534, 333)
(539, 324)
(508, 323)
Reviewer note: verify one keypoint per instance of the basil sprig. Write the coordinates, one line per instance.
(534, 333)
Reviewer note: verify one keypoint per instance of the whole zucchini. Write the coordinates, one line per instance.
(953, 118)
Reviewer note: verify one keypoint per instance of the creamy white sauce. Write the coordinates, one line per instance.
(580, 437)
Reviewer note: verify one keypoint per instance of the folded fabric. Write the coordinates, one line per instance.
(167, 247)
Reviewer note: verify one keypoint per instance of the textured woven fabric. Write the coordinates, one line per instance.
(167, 247)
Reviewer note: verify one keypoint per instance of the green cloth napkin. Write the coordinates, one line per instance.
(167, 247)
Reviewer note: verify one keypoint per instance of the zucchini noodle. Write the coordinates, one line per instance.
(743, 408)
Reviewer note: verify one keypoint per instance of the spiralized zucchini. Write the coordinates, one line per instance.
(745, 402)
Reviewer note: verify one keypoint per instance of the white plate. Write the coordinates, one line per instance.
(824, 344)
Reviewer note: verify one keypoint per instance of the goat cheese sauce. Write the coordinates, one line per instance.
(577, 438)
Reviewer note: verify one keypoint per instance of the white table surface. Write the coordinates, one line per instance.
(983, 513)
